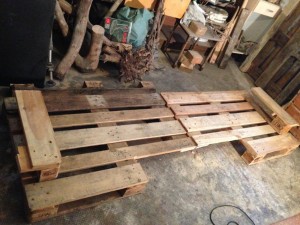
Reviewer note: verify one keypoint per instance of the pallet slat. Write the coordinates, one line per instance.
(205, 123)
(212, 108)
(88, 102)
(38, 130)
(263, 146)
(49, 194)
(72, 120)
(77, 162)
(232, 135)
(104, 135)
(202, 97)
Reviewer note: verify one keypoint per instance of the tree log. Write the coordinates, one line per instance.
(91, 61)
(59, 16)
(66, 6)
(113, 8)
(120, 47)
(109, 50)
(111, 58)
(77, 39)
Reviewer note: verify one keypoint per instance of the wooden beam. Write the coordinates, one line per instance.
(234, 37)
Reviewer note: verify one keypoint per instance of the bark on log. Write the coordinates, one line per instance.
(77, 39)
(120, 47)
(111, 58)
(66, 6)
(109, 50)
(91, 61)
(59, 16)
(113, 8)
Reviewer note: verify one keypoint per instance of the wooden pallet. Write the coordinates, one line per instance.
(97, 136)
(215, 117)
(97, 139)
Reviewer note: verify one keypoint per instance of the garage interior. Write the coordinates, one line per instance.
(148, 97)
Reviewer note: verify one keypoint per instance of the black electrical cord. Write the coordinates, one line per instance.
(230, 222)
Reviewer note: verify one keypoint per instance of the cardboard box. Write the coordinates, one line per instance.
(194, 57)
(186, 65)
(198, 28)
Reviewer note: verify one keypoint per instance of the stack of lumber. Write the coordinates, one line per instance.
(78, 148)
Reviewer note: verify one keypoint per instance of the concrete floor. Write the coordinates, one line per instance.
(183, 188)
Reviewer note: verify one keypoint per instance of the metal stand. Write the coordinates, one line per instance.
(50, 67)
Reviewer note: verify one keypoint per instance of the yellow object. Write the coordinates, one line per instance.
(173, 8)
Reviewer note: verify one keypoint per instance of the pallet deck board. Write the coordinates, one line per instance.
(73, 139)
(88, 102)
(185, 110)
(268, 145)
(232, 135)
(205, 123)
(38, 130)
(77, 162)
(49, 193)
(72, 120)
(202, 97)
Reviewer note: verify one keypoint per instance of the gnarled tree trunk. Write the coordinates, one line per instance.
(77, 39)
(91, 61)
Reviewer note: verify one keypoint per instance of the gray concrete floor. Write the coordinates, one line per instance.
(183, 187)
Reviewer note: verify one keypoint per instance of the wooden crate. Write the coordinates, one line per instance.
(215, 117)
(99, 138)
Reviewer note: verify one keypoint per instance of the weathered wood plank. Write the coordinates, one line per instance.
(212, 108)
(38, 130)
(105, 135)
(48, 194)
(202, 97)
(72, 120)
(263, 146)
(232, 135)
(204, 123)
(78, 162)
(56, 103)
(282, 122)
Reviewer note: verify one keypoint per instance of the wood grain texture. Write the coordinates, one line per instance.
(78, 162)
(202, 97)
(205, 123)
(211, 108)
(73, 120)
(38, 130)
(276, 143)
(49, 193)
(105, 135)
(270, 106)
(71, 102)
(232, 135)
